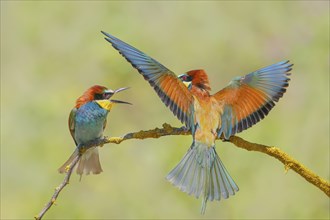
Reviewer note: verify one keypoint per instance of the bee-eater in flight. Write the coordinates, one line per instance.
(244, 102)
(87, 122)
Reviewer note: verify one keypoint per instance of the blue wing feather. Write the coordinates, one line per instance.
(174, 94)
(256, 94)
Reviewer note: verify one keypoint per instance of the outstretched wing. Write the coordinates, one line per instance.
(168, 86)
(248, 99)
(72, 117)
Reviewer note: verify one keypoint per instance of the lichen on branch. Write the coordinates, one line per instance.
(287, 160)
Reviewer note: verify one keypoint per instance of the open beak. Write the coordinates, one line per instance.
(120, 102)
(109, 93)
(120, 89)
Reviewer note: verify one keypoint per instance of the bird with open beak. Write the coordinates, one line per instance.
(243, 103)
(87, 122)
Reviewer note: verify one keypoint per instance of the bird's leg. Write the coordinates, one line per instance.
(93, 143)
(222, 137)
(84, 147)
(99, 142)
(224, 140)
(102, 140)
(81, 148)
(185, 129)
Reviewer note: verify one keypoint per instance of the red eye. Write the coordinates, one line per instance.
(185, 78)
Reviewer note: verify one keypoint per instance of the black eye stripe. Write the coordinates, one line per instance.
(98, 97)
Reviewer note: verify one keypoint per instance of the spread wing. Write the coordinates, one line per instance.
(72, 117)
(248, 99)
(168, 86)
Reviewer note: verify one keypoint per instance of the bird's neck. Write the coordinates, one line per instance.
(85, 98)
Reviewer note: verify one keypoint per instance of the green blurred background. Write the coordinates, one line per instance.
(52, 51)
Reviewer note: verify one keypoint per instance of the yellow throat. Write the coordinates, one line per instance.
(105, 104)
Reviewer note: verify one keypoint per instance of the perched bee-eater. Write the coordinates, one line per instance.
(244, 102)
(87, 122)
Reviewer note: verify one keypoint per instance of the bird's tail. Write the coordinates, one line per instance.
(64, 168)
(202, 172)
(89, 162)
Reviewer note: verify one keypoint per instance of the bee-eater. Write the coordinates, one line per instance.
(87, 122)
(244, 102)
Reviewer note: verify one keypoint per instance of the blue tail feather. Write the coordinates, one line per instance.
(201, 173)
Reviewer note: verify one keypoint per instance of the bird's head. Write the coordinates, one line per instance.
(98, 92)
(196, 79)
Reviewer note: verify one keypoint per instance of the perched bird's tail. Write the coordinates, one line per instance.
(64, 168)
(202, 172)
(89, 162)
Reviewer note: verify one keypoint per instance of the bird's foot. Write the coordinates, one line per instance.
(102, 141)
(96, 142)
(93, 143)
(82, 148)
(224, 139)
(184, 129)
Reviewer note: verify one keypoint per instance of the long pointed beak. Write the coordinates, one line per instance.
(109, 93)
(120, 102)
(120, 89)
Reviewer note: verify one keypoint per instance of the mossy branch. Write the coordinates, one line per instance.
(288, 161)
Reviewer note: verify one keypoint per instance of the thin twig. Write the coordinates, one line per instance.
(59, 188)
(288, 161)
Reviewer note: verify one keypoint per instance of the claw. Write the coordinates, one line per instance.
(102, 140)
(185, 129)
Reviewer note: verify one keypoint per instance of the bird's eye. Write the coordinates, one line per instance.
(185, 78)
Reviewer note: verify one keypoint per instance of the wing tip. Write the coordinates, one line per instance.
(107, 34)
(111, 39)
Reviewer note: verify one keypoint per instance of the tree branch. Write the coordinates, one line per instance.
(288, 161)
(167, 129)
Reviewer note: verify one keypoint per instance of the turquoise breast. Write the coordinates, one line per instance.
(89, 122)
